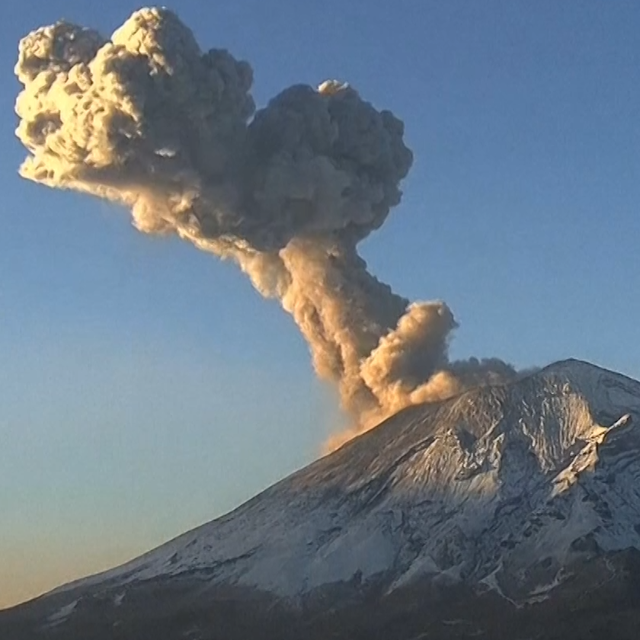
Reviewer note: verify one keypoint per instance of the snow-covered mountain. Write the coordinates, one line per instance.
(510, 490)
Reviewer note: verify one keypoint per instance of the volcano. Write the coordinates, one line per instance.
(511, 510)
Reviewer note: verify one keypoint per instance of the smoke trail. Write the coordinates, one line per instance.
(146, 119)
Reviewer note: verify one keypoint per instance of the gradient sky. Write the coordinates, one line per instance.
(146, 388)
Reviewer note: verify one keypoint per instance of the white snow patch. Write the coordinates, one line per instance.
(62, 615)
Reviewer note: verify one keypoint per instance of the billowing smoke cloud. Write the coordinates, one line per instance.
(146, 119)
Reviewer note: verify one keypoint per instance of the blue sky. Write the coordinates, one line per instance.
(146, 388)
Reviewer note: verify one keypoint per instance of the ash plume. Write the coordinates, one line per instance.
(147, 120)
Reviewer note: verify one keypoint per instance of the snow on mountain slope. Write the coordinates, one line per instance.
(503, 486)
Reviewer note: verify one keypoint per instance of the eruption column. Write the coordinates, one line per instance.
(147, 120)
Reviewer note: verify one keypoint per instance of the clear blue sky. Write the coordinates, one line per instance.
(146, 388)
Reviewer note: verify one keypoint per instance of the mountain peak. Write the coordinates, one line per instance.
(575, 366)
(508, 489)
(464, 488)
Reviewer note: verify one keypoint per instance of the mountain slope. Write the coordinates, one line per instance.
(509, 491)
